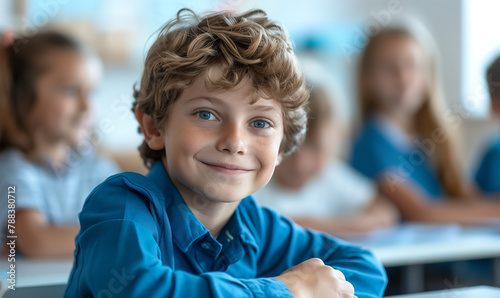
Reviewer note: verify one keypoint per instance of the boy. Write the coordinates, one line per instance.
(488, 173)
(220, 102)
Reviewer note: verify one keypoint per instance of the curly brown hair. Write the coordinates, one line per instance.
(239, 45)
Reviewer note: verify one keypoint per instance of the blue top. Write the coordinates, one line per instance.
(138, 238)
(56, 191)
(488, 174)
(382, 151)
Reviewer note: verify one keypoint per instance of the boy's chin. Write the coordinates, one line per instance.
(222, 192)
(223, 196)
(226, 198)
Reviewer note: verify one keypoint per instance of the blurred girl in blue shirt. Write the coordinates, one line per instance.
(406, 142)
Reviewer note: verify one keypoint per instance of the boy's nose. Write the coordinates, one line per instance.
(232, 139)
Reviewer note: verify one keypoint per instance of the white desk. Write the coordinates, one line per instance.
(472, 292)
(413, 245)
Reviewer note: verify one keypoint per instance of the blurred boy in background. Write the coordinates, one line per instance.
(320, 191)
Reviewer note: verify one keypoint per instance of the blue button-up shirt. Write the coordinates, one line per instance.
(382, 151)
(138, 238)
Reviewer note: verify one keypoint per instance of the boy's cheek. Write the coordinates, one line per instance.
(272, 160)
(185, 137)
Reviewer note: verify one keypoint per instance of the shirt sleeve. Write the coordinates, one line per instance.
(488, 173)
(122, 258)
(286, 244)
(18, 172)
(118, 254)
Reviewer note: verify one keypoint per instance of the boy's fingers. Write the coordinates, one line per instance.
(347, 288)
(339, 274)
(348, 295)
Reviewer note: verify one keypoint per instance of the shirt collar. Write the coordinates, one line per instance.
(188, 228)
(238, 233)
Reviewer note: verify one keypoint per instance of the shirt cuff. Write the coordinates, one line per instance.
(267, 287)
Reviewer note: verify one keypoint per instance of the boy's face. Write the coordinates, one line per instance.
(220, 146)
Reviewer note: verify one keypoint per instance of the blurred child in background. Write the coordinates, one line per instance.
(488, 174)
(320, 191)
(45, 151)
(406, 141)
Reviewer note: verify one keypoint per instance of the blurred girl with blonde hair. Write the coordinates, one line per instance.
(406, 142)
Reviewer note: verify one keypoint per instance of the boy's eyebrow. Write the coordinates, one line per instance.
(207, 98)
(216, 100)
(264, 108)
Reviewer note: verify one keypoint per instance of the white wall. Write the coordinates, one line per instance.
(481, 45)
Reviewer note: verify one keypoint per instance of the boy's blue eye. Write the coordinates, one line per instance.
(206, 115)
(260, 124)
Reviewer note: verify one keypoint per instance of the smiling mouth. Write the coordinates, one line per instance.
(227, 169)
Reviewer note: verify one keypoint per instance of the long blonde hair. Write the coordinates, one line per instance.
(429, 119)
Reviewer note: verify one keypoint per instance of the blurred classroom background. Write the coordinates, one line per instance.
(328, 36)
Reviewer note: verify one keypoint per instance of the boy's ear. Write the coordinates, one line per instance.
(152, 135)
(279, 159)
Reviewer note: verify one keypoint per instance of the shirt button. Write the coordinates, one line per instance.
(205, 245)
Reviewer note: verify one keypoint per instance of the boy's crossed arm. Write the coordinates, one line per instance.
(127, 257)
(327, 267)
(131, 267)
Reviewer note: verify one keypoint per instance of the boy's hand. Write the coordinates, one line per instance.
(313, 278)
